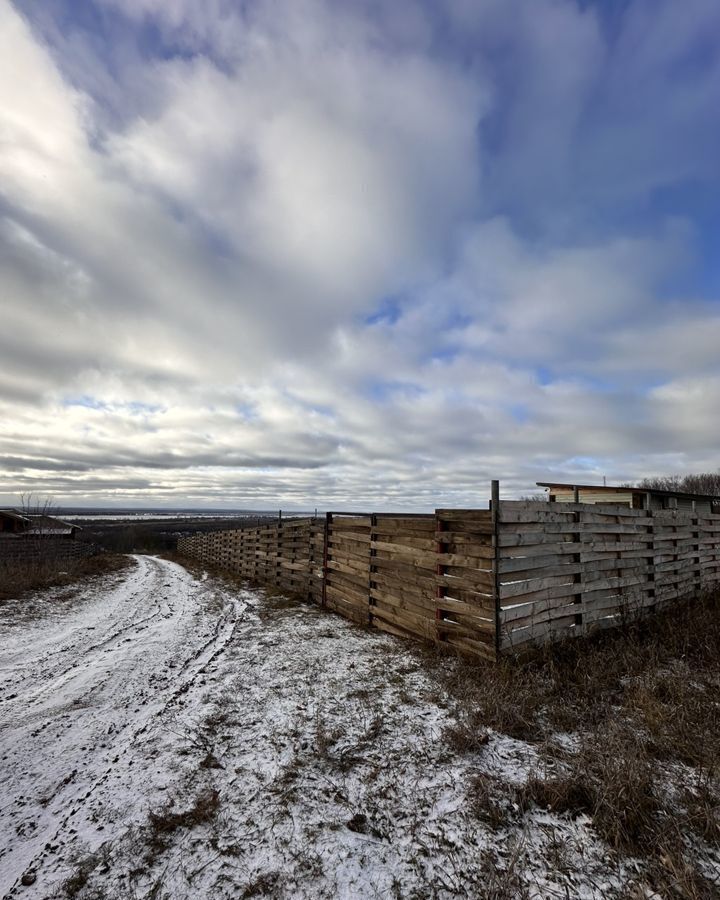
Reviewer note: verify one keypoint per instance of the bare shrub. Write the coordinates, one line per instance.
(165, 821)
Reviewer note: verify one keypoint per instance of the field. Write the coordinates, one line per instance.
(166, 733)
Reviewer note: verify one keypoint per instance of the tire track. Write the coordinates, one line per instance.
(159, 633)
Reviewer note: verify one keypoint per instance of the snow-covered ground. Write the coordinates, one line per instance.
(167, 735)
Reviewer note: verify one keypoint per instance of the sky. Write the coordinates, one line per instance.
(367, 254)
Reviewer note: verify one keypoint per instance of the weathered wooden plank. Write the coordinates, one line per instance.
(347, 581)
(511, 514)
(413, 624)
(540, 617)
(463, 515)
(350, 522)
(581, 528)
(468, 549)
(549, 593)
(398, 550)
(405, 527)
(401, 561)
(360, 560)
(482, 606)
(526, 610)
(567, 571)
(590, 508)
(347, 595)
(469, 647)
(540, 632)
(464, 561)
(352, 572)
(397, 631)
(533, 585)
(411, 580)
(426, 543)
(473, 626)
(481, 599)
(508, 565)
(469, 581)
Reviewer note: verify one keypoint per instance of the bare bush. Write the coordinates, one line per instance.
(702, 483)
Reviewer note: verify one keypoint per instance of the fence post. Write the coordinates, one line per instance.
(371, 567)
(439, 571)
(696, 548)
(652, 594)
(577, 560)
(326, 541)
(278, 552)
(577, 563)
(495, 518)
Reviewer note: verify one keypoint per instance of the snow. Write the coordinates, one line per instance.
(316, 746)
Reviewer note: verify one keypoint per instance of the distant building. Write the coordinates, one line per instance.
(634, 497)
(20, 524)
(12, 522)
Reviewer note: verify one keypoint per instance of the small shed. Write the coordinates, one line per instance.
(634, 497)
(14, 522)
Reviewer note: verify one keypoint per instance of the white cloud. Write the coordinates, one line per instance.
(188, 284)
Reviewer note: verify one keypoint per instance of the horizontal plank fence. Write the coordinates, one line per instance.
(37, 550)
(287, 554)
(564, 570)
(481, 582)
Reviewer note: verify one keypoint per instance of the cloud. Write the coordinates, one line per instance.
(328, 254)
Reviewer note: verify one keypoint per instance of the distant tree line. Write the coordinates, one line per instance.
(703, 483)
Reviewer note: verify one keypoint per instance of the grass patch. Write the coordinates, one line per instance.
(165, 821)
(21, 577)
(613, 780)
(659, 676)
(78, 882)
(640, 705)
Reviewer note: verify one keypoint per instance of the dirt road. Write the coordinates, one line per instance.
(168, 736)
(80, 690)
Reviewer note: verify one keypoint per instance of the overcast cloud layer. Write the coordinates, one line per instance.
(356, 254)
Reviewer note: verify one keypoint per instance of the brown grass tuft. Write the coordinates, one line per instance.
(165, 821)
(613, 780)
(18, 578)
(641, 706)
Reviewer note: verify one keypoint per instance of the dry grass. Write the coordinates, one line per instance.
(262, 886)
(85, 866)
(165, 821)
(659, 676)
(645, 766)
(18, 578)
(612, 779)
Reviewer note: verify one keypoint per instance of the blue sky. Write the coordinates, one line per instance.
(361, 253)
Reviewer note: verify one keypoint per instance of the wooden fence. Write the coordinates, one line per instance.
(483, 582)
(29, 550)
(564, 570)
(287, 554)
